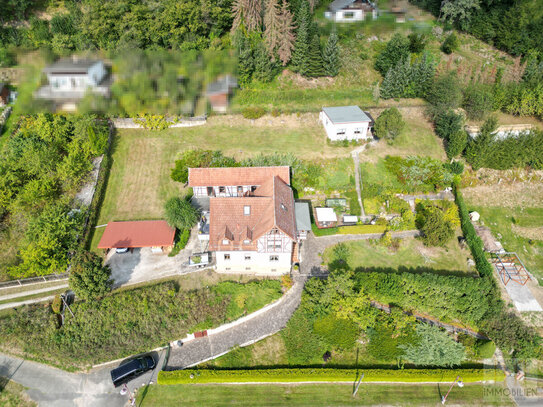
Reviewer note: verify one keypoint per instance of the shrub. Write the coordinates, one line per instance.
(417, 42)
(396, 49)
(445, 94)
(448, 122)
(189, 376)
(456, 144)
(89, 278)
(478, 101)
(450, 44)
(255, 112)
(435, 228)
(389, 124)
(336, 332)
(56, 305)
(435, 348)
(152, 122)
(485, 349)
(180, 213)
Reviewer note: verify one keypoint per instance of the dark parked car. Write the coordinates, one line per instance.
(131, 370)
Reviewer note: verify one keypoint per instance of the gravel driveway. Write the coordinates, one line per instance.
(142, 265)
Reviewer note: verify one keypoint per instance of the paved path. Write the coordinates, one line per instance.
(357, 179)
(51, 387)
(32, 292)
(250, 331)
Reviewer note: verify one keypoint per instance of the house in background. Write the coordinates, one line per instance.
(350, 10)
(218, 93)
(251, 219)
(346, 123)
(69, 80)
(4, 94)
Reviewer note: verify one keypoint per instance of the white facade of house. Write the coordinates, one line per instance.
(273, 255)
(345, 131)
(77, 81)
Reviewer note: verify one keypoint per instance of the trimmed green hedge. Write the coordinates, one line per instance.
(325, 375)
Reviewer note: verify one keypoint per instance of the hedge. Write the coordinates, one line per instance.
(474, 242)
(325, 375)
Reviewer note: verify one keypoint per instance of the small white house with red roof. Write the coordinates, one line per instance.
(252, 218)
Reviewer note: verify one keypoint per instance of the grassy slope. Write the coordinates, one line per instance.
(502, 221)
(321, 395)
(11, 395)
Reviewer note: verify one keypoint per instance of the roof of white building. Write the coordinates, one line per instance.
(346, 114)
(326, 215)
(70, 66)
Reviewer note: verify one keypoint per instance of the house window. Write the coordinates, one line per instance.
(341, 132)
(240, 190)
(227, 257)
(357, 131)
(246, 210)
(246, 241)
(247, 257)
(348, 14)
(274, 258)
(222, 190)
(225, 241)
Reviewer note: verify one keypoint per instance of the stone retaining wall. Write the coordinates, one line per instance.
(129, 123)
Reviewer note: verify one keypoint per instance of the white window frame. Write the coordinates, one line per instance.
(227, 257)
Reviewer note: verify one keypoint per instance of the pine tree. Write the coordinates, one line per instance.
(286, 34)
(272, 30)
(300, 54)
(264, 67)
(331, 55)
(314, 63)
(246, 63)
(247, 13)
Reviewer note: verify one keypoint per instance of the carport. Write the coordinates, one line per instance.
(156, 234)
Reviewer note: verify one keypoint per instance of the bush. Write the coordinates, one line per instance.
(445, 94)
(485, 349)
(435, 228)
(448, 122)
(286, 282)
(153, 121)
(336, 332)
(189, 376)
(389, 124)
(255, 112)
(56, 305)
(89, 278)
(182, 237)
(180, 213)
(450, 44)
(478, 101)
(396, 50)
(456, 144)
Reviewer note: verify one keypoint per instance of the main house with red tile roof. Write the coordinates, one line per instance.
(252, 217)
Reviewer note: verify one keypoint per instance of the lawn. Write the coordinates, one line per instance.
(412, 253)
(417, 138)
(139, 181)
(322, 395)
(514, 213)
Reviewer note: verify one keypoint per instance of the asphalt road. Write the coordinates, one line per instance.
(51, 387)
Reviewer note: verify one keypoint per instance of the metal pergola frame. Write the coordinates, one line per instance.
(510, 267)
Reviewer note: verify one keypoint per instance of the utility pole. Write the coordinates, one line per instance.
(458, 381)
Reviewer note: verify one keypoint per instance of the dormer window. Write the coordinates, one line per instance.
(246, 241)
(246, 210)
(225, 241)
(283, 207)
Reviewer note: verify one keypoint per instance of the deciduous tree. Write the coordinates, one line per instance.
(89, 278)
(180, 213)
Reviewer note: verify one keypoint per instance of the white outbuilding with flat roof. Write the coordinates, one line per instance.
(345, 123)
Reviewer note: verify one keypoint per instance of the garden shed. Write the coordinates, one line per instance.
(325, 217)
(156, 234)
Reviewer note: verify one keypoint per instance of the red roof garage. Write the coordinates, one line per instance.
(145, 233)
